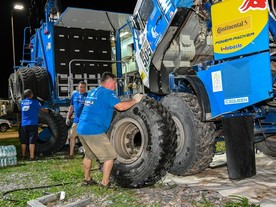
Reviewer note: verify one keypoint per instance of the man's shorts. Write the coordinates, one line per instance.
(73, 131)
(97, 147)
(29, 134)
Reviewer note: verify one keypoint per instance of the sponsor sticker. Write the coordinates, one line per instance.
(236, 100)
(216, 81)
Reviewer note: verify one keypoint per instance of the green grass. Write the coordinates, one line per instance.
(30, 180)
(36, 179)
(220, 147)
(239, 201)
(53, 174)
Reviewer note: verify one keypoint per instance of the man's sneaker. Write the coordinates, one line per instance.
(105, 186)
(89, 182)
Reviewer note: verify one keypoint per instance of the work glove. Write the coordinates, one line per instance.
(68, 122)
(50, 111)
(137, 97)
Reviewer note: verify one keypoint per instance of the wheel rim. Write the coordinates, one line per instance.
(180, 135)
(128, 140)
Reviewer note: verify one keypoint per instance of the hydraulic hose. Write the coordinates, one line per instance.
(33, 188)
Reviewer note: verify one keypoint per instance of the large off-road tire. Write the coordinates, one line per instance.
(52, 133)
(42, 83)
(11, 93)
(144, 138)
(25, 80)
(268, 147)
(195, 139)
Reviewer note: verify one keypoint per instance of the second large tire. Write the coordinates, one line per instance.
(25, 80)
(196, 139)
(42, 83)
(11, 93)
(52, 133)
(268, 146)
(144, 138)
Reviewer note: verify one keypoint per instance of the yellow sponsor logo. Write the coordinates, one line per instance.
(234, 26)
(142, 75)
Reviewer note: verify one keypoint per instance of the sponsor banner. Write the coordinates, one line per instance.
(239, 27)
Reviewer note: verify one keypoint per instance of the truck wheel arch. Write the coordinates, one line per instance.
(202, 96)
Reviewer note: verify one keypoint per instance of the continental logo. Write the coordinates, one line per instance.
(234, 26)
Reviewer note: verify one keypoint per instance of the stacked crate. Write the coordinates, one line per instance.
(80, 55)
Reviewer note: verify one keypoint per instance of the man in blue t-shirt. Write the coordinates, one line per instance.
(76, 106)
(29, 123)
(94, 122)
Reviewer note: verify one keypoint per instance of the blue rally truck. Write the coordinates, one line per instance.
(206, 67)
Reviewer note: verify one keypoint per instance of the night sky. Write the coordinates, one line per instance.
(21, 21)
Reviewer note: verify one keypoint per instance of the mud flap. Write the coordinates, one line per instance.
(239, 142)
